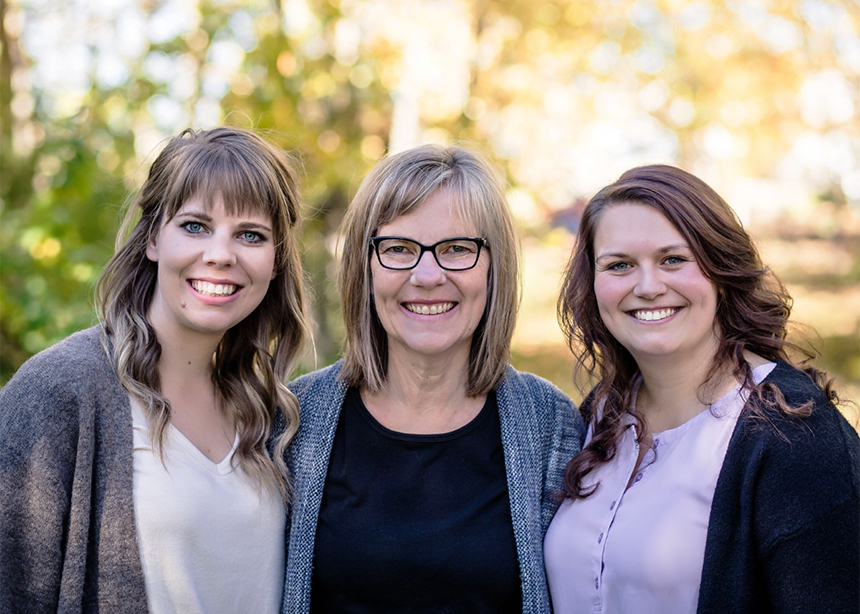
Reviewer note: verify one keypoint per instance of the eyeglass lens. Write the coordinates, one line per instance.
(404, 254)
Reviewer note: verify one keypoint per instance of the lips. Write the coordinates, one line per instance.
(653, 315)
(210, 289)
(425, 309)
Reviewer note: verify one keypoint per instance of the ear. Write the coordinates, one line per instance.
(152, 248)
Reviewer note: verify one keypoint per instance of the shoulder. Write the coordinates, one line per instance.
(800, 467)
(528, 391)
(823, 424)
(75, 364)
(794, 384)
(317, 381)
(321, 388)
(539, 390)
(54, 394)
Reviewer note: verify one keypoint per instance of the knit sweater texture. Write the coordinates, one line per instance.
(67, 532)
(784, 531)
(541, 430)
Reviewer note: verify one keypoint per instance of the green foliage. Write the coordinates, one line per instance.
(539, 75)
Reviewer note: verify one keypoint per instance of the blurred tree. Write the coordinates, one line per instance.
(567, 94)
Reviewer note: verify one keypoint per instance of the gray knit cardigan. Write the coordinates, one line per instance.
(541, 431)
(67, 534)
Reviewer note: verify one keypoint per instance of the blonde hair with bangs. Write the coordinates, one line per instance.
(256, 356)
(396, 186)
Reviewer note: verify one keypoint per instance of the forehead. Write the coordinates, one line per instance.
(215, 204)
(438, 217)
(630, 226)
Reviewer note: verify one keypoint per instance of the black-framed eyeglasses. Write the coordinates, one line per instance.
(402, 254)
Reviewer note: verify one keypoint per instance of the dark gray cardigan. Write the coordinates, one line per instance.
(67, 532)
(784, 531)
(541, 430)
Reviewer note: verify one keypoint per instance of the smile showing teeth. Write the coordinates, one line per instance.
(652, 315)
(205, 287)
(429, 310)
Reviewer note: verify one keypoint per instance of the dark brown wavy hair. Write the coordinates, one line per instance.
(753, 306)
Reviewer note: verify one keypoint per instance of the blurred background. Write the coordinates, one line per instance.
(761, 98)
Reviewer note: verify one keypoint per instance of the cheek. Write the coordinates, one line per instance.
(698, 286)
(606, 293)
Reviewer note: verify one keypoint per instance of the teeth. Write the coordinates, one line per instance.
(204, 287)
(429, 310)
(651, 316)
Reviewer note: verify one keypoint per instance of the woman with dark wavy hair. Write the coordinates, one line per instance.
(135, 467)
(717, 476)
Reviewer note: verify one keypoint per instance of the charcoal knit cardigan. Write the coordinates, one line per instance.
(784, 531)
(67, 534)
(541, 431)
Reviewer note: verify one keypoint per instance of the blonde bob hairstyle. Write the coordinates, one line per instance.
(256, 356)
(396, 186)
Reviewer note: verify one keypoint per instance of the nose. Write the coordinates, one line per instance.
(219, 250)
(427, 273)
(649, 283)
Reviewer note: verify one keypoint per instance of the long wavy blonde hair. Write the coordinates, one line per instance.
(256, 356)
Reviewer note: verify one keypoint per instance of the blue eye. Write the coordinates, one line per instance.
(252, 237)
(193, 227)
(618, 266)
(675, 260)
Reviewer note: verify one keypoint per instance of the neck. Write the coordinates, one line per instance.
(673, 393)
(184, 360)
(424, 394)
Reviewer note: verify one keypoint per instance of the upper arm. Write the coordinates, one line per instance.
(817, 568)
(808, 517)
(38, 434)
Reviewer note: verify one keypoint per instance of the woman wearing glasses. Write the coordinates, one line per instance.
(425, 466)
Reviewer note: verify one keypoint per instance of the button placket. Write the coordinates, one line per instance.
(602, 537)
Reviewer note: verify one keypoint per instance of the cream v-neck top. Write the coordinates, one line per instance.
(641, 549)
(209, 541)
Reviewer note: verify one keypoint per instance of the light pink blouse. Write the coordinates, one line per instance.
(641, 549)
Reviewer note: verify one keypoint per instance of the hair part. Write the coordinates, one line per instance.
(395, 187)
(753, 306)
(255, 357)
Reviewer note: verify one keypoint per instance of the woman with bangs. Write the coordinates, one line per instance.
(425, 466)
(717, 475)
(141, 461)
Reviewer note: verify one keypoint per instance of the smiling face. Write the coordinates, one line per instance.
(428, 310)
(651, 294)
(214, 269)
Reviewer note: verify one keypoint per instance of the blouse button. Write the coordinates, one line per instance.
(612, 507)
(600, 538)
(638, 477)
(596, 583)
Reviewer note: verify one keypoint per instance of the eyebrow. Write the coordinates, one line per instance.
(663, 250)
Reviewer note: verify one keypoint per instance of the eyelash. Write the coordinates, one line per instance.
(623, 266)
(186, 227)
(258, 237)
(618, 266)
(680, 260)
